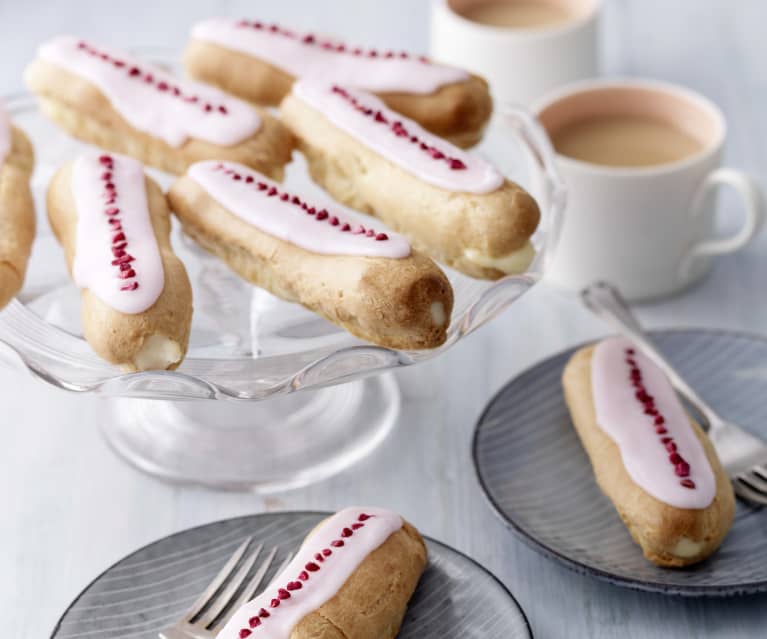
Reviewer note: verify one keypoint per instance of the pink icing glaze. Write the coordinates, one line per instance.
(152, 100)
(306, 55)
(650, 427)
(266, 205)
(400, 140)
(116, 252)
(318, 571)
(5, 133)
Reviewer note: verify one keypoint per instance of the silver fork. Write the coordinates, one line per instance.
(743, 455)
(205, 614)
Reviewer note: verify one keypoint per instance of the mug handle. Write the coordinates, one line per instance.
(754, 207)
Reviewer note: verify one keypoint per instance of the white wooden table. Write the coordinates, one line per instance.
(70, 507)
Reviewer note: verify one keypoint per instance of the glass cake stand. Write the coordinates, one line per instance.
(231, 417)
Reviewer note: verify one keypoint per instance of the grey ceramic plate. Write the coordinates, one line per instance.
(538, 479)
(151, 588)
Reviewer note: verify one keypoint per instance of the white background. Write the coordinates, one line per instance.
(69, 508)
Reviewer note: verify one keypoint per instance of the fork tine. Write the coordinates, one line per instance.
(282, 568)
(761, 470)
(745, 491)
(226, 596)
(249, 591)
(284, 565)
(756, 482)
(219, 579)
(252, 588)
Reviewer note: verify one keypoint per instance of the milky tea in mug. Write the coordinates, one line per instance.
(641, 162)
(518, 14)
(625, 140)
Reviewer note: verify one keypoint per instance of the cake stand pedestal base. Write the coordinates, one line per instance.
(267, 446)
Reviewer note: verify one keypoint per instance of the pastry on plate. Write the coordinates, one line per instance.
(17, 209)
(649, 456)
(351, 579)
(324, 256)
(452, 205)
(119, 102)
(259, 62)
(114, 224)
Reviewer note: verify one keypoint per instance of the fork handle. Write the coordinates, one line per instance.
(606, 302)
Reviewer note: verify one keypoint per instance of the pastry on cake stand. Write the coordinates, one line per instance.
(231, 416)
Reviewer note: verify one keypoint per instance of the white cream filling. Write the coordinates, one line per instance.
(515, 262)
(437, 311)
(157, 353)
(686, 548)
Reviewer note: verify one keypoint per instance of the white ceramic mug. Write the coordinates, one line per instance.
(521, 64)
(648, 230)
